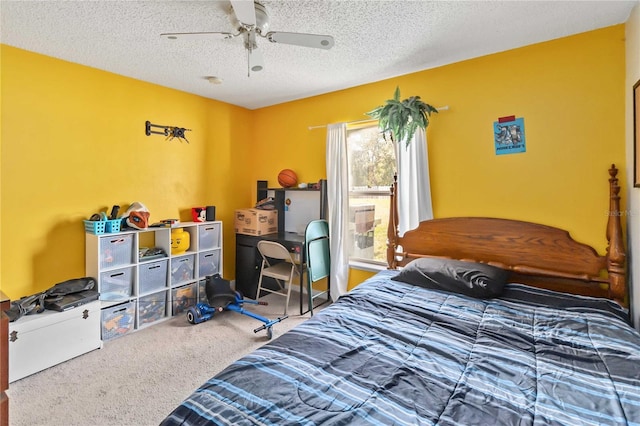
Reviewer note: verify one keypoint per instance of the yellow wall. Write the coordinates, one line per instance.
(570, 92)
(73, 143)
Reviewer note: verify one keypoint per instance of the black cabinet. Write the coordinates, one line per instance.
(248, 263)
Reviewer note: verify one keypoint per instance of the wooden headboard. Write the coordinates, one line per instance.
(538, 255)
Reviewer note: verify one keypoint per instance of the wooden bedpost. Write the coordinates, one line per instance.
(615, 250)
(392, 229)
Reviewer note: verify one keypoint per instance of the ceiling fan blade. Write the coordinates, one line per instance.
(245, 11)
(301, 39)
(256, 61)
(201, 35)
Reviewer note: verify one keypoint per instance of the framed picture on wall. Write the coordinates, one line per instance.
(636, 134)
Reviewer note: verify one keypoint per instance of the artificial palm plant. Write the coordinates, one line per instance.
(400, 119)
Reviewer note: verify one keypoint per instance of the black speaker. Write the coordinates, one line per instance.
(211, 213)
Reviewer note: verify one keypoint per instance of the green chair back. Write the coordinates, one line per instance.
(318, 256)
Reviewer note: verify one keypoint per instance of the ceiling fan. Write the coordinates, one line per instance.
(251, 20)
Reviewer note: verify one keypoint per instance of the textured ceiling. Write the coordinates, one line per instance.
(374, 40)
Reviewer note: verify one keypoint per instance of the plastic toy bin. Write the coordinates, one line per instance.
(116, 250)
(117, 284)
(152, 276)
(182, 268)
(95, 227)
(183, 297)
(209, 236)
(202, 292)
(117, 320)
(113, 225)
(152, 308)
(209, 263)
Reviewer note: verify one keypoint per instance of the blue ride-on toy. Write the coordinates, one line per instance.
(222, 298)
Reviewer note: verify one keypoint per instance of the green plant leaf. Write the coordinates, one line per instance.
(401, 118)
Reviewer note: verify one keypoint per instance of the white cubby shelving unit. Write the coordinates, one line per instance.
(137, 291)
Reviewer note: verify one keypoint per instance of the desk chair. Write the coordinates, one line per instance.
(318, 258)
(283, 272)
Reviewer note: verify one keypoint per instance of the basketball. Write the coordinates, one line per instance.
(287, 178)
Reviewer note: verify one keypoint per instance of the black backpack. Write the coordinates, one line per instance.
(34, 304)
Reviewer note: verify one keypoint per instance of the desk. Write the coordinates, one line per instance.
(248, 261)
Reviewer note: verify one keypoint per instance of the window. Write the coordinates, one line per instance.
(372, 164)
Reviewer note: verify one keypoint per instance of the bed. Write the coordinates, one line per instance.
(488, 321)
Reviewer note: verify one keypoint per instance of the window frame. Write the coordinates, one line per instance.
(360, 262)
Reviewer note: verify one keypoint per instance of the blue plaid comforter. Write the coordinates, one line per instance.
(389, 353)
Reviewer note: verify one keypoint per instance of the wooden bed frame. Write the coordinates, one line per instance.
(538, 255)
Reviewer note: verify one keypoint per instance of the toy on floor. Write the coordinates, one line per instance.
(222, 298)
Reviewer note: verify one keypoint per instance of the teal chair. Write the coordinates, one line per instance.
(318, 259)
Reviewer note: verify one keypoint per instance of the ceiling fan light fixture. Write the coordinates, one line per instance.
(255, 61)
(251, 20)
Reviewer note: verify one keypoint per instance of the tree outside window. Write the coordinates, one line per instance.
(372, 165)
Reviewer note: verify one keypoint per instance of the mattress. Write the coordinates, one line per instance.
(390, 353)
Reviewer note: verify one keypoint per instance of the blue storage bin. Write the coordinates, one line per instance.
(112, 225)
(95, 227)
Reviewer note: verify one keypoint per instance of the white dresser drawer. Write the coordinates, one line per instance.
(40, 341)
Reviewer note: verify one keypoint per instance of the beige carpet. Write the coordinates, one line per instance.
(139, 378)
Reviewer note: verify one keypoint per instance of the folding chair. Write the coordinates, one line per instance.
(282, 272)
(318, 259)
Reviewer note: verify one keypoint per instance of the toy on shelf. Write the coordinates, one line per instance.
(180, 241)
(287, 178)
(100, 223)
(136, 216)
(199, 214)
(146, 253)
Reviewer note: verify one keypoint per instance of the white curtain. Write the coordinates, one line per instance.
(414, 187)
(338, 206)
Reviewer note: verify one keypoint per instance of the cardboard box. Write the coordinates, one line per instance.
(256, 222)
(363, 216)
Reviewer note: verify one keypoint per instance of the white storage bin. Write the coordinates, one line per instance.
(209, 236)
(118, 320)
(209, 263)
(183, 297)
(152, 276)
(202, 292)
(116, 285)
(182, 268)
(116, 250)
(152, 308)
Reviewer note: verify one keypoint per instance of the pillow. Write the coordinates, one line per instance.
(469, 278)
